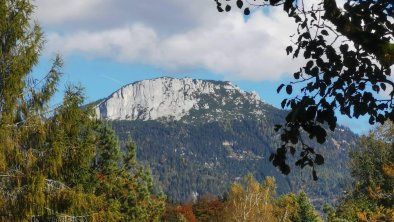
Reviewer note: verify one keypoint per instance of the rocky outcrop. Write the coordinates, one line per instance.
(165, 98)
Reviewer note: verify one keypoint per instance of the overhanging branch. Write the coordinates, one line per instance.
(371, 43)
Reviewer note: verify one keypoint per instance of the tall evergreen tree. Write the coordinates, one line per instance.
(130, 157)
(306, 211)
(108, 152)
(59, 163)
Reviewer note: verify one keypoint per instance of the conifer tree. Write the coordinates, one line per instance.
(305, 211)
(130, 157)
(108, 150)
(58, 163)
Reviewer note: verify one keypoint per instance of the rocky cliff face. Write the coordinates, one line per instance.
(171, 98)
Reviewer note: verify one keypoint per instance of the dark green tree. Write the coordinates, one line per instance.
(126, 185)
(372, 168)
(305, 211)
(108, 155)
(348, 53)
(58, 163)
(130, 157)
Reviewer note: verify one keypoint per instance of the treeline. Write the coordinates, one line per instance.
(247, 200)
(207, 157)
(59, 164)
(370, 198)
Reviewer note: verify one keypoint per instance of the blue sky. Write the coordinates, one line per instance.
(109, 43)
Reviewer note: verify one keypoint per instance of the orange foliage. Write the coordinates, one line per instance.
(181, 211)
(208, 209)
(389, 170)
(187, 211)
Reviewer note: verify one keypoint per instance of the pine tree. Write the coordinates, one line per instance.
(305, 211)
(130, 157)
(108, 155)
(52, 160)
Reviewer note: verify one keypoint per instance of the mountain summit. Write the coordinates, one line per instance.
(199, 136)
(186, 99)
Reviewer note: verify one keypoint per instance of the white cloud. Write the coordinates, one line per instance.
(203, 38)
(58, 11)
(165, 16)
(126, 44)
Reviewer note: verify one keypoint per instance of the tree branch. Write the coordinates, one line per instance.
(371, 43)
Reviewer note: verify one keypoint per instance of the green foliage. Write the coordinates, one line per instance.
(249, 200)
(372, 167)
(207, 157)
(305, 211)
(130, 157)
(62, 162)
(349, 53)
(108, 151)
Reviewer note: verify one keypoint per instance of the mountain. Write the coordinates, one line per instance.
(186, 100)
(199, 136)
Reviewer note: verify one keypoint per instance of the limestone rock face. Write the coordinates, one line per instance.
(167, 98)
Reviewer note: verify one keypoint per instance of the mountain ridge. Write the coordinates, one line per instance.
(204, 150)
(172, 98)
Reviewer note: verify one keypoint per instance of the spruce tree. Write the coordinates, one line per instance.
(52, 160)
(130, 157)
(108, 151)
(306, 211)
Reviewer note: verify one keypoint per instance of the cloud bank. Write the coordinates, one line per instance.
(174, 35)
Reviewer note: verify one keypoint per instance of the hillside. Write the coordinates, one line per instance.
(198, 136)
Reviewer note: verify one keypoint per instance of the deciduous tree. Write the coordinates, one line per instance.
(371, 198)
(348, 52)
(251, 201)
